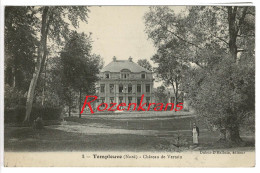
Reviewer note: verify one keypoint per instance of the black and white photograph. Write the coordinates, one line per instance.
(129, 86)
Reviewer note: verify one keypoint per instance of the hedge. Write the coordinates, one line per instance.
(18, 114)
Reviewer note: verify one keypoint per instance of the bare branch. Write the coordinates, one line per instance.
(183, 39)
(220, 39)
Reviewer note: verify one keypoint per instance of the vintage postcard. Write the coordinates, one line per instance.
(129, 86)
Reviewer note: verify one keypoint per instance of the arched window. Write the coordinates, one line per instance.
(111, 88)
(130, 88)
(121, 88)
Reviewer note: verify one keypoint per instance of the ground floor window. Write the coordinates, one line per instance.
(138, 100)
(129, 88)
(147, 101)
(121, 88)
(111, 101)
(102, 100)
(129, 100)
(120, 101)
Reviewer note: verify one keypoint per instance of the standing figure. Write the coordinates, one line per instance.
(195, 134)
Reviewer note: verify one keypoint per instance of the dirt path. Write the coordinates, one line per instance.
(98, 128)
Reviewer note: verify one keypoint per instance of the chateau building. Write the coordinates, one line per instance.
(124, 81)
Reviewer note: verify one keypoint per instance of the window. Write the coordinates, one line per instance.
(139, 88)
(129, 100)
(111, 88)
(138, 100)
(102, 88)
(129, 88)
(124, 75)
(147, 88)
(121, 88)
(147, 101)
(111, 101)
(102, 100)
(143, 76)
(107, 75)
(120, 100)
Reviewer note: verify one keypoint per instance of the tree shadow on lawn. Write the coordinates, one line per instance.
(136, 124)
(27, 139)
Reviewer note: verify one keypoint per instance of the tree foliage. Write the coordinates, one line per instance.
(79, 67)
(20, 46)
(217, 45)
(54, 25)
(161, 23)
(161, 95)
(145, 64)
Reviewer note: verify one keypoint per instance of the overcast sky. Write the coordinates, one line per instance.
(119, 31)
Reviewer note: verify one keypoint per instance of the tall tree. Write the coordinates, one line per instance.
(80, 67)
(169, 39)
(20, 46)
(53, 26)
(218, 45)
(170, 69)
(227, 80)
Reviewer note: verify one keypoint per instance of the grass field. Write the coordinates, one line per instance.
(115, 132)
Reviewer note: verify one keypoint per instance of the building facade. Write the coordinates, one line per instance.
(124, 81)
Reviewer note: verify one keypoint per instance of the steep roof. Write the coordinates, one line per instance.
(118, 65)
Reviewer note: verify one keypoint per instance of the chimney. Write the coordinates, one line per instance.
(114, 58)
(130, 59)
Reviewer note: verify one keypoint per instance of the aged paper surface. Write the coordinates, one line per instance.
(185, 159)
(129, 86)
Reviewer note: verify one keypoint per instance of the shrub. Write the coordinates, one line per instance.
(38, 123)
(17, 114)
(13, 97)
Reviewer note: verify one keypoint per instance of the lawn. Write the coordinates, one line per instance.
(114, 132)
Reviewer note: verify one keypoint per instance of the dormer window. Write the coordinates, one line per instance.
(125, 74)
(143, 76)
(107, 75)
